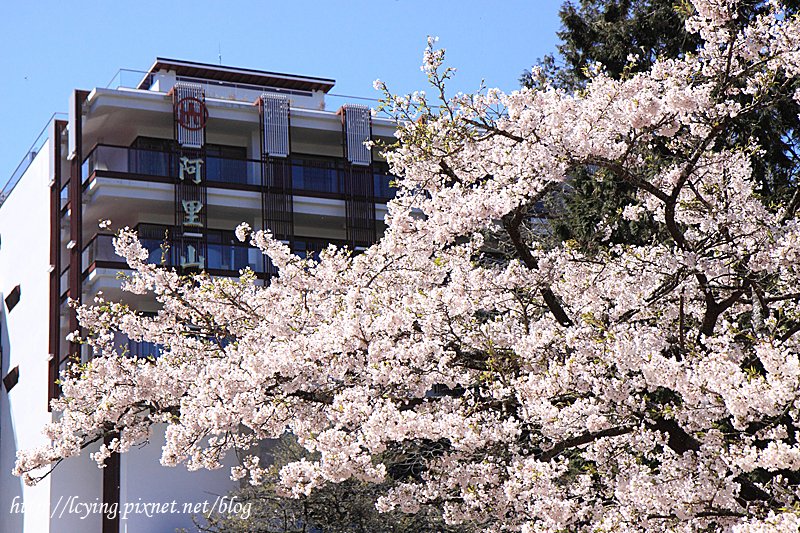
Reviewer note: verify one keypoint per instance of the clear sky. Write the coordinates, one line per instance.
(49, 47)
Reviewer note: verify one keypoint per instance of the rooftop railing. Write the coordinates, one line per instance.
(30, 155)
(132, 79)
(235, 90)
(126, 78)
(334, 101)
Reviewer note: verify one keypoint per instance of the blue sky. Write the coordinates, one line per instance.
(50, 47)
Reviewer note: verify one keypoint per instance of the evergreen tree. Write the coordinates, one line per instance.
(628, 36)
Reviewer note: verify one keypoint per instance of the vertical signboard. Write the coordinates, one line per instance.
(191, 193)
(191, 115)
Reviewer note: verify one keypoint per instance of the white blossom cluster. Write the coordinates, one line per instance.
(651, 388)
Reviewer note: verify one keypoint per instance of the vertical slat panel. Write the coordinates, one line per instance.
(277, 207)
(357, 124)
(191, 134)
(360, 206)
(275, 125)
(359, 185)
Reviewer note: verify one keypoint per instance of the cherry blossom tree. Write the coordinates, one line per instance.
(346, 507)
(512, 383)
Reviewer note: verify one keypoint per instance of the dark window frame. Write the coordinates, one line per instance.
(11, 379)
(13, 298)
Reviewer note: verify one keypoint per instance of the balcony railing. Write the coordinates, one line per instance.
(64, 195)
(309, 175)
(218, 257)
(137, 349)
(64, 282)
(128, 161)
(234, 257)
(130, 79)
(143, 349)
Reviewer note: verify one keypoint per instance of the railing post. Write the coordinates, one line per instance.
(76, 213)
(53, 390)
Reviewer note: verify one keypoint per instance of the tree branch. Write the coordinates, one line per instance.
(511, 225)
(583, 438)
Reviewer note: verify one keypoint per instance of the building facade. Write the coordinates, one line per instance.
(183, 155)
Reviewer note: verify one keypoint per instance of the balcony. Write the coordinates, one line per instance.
(140, 349)
(143, 349)
(218, 258)
(310, 176)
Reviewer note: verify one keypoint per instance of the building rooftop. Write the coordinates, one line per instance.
(207, 71)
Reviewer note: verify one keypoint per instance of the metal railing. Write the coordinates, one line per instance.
(126, 78)
(334, 101)
(227, 257)
(144, 349)
(30, 155)
(310, 175)
(137, 349)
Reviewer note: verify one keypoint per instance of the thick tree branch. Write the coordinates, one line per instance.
(511, 224)
(583, 438)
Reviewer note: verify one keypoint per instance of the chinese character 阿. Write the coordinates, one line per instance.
(191, 167)
(192, 208)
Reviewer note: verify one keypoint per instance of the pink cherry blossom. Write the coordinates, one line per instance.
(528, 386)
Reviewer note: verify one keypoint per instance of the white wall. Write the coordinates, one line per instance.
(144, 480)
(24, 261)
(75, 483)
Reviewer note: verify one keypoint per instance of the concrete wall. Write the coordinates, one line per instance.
(24, 261)
(144, 481)
(76, 489)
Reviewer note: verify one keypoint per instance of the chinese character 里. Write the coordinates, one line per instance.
(192, 209)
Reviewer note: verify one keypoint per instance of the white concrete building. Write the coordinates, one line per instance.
(184, 155)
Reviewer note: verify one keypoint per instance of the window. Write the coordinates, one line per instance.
(225, 252)
(319, 175)
(226, 163)
(150, 156)
(153, 237)
(144, 349)
(11, 379)
(13, 298)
